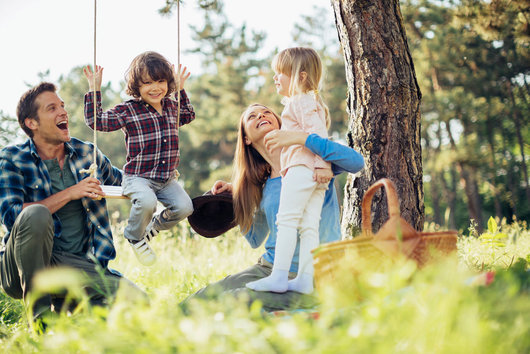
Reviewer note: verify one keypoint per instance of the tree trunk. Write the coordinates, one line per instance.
(511, 178)
(383, 107)
(490, 128)
(468, 178)
(520, 141)
(434, 183)
(449, 188)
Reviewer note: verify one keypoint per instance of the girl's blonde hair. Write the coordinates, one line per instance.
(250, 172)
(295, 61)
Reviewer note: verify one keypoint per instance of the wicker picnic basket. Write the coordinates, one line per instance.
(395, 239)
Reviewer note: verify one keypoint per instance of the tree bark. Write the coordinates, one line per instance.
(383, 107)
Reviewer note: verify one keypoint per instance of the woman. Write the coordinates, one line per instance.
(256, 191)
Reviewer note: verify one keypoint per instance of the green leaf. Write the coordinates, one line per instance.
(492, 225)
(486, 236)
(500, 235)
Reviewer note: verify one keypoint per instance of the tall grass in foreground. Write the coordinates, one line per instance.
(435, 310)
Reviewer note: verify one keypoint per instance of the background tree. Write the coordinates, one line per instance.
(470, 62)
(383, 105)
(230, 80)
(235, 74)
(9, 129)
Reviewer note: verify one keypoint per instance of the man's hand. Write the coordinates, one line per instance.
(98, 76)
(183, 73)
(88, 187)
(220, 187)
(323, 175)
(282, 138)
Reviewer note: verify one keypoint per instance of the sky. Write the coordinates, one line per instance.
(57, 35)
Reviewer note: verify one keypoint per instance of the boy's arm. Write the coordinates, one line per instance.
(187, 113)
(94, 78)
(108, 121)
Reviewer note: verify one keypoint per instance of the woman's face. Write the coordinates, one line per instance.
(257, 122)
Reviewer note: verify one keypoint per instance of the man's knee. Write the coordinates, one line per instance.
(35, 220)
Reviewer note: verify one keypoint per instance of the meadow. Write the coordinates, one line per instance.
(443, 308)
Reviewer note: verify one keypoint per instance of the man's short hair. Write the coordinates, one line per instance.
(27, 107)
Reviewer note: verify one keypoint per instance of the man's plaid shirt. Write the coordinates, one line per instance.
(24, 178)
(152, 139)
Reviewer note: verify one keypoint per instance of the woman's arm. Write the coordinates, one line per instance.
(342, 158)
(258, 231)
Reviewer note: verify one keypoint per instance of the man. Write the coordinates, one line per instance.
(52, 211)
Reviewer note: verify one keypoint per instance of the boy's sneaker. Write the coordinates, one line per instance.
(150, 234)
(143, 252)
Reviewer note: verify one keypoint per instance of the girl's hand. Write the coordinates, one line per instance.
(97, 75)
(281, 138)
(323, 175)
(220, 187)
(183, 74)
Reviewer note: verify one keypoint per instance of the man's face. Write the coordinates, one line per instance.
(52, 125)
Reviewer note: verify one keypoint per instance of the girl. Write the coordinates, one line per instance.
(298, 72)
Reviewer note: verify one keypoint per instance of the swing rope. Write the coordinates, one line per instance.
(178, 72)
(92, 170)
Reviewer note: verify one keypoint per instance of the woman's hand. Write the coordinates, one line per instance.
(183, 73)
(281, 138)
(220, 187)
(97, 75)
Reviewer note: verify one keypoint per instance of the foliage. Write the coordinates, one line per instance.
(235, 75)
(8, 125)
(435, 310)
(219, 95)
(471, 60)
(499, 247)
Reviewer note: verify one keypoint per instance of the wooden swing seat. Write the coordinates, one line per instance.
(113, 192)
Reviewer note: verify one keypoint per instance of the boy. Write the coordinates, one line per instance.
(149, 122)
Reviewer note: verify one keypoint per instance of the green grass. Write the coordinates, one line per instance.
(402, 310)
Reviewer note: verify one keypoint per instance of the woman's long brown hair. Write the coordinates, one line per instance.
(250, 172)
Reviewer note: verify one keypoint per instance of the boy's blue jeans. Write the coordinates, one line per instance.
(144, 194)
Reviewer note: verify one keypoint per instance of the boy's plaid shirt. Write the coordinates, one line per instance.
(24, 178)
(152, 139)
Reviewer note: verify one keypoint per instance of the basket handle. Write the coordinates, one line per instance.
(392, 200)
